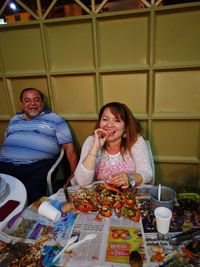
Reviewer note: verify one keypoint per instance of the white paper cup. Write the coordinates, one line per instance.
(47, 210)
(163, 217)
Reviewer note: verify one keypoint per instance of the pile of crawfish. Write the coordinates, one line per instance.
(106, 199)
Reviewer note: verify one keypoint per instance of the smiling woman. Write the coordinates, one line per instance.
(116, 152)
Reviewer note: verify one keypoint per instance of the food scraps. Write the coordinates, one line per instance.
(106, 199)
(158, 254)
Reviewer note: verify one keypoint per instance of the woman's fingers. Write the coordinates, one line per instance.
(100, 136)
(119, 179)
(100, 133)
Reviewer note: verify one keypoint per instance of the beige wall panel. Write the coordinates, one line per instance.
(144, 126)
(17, 84)
(81, 130)
(176, 175)
(70, 46)
(4, 106)
(123, 41)
(130, 89)
(3, 126)
(178, 37)
(177, 91)
(176, 139)
(21, 50)
(74, 94)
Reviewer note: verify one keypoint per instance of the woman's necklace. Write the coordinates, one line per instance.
(112, 154)
(112, 158)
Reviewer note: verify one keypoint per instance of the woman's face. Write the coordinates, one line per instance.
(114, 126)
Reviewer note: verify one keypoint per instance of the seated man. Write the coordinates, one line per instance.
(32, 144)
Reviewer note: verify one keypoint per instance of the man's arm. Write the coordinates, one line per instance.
(72, 156)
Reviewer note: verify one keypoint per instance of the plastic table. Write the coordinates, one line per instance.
(16, 191)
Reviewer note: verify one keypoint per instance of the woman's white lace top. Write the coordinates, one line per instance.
(107, 165)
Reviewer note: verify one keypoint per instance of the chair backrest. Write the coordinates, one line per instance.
(151, 161)
(55, 173)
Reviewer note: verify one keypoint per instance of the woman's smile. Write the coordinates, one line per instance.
(113, 126)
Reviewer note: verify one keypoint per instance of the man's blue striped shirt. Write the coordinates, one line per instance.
(39, 138)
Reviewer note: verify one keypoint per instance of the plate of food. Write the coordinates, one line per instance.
(106, 200)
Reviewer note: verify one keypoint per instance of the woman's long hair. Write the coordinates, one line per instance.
(132, 126)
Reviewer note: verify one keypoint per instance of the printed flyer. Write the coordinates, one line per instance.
(123, 240)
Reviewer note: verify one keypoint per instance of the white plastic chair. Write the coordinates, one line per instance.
(59, 172)
(151, 161)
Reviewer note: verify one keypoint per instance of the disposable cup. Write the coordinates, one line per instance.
(168, 196)
(163, 217)
(47, 210)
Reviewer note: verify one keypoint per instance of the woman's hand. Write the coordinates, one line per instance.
(119, 180)
(100, 137)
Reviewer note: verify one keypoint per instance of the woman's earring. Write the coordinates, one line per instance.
(124, 135)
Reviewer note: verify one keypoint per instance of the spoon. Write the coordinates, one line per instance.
(69, 242)
(159, 192)
(87, 237)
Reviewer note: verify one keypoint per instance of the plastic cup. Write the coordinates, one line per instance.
(168, 196)
(163, 217)
(47, 210)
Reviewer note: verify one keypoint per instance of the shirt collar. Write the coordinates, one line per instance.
(46, 110)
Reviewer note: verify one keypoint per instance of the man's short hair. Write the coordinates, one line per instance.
(31, 89)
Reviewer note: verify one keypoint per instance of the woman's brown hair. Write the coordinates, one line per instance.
(132, 126)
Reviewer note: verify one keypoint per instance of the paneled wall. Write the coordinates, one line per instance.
(147, 57)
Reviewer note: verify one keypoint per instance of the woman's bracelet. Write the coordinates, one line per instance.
(92, 154)
(131, 180)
